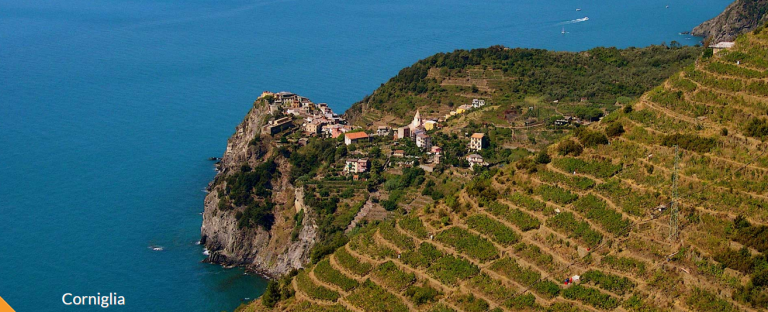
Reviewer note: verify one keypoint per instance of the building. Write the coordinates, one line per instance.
(477, 103)
(382, 131)
(276, 126)
(403, 132)
(436, 150)
(398, 153)
(423, 141)
(355, 137)
(476, 141)
(463, 109)
(356, 165)
(430, 124)
(717, 47)
(313, 127)
(475, 159)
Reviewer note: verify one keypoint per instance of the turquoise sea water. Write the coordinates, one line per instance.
(109, 109)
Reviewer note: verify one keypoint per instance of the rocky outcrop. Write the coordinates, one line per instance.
(271, 252)
(739, 17)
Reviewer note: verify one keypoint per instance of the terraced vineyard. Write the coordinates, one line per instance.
(603, 214)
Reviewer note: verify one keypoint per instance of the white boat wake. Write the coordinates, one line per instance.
(578, 20)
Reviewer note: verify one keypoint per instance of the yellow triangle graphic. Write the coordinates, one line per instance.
(4, 307)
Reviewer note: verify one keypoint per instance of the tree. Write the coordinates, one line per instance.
(543, 157)
(615, 129)
(569, 147)
(272, 295)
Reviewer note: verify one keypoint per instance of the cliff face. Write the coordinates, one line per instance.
(271, 252)
(739, 17)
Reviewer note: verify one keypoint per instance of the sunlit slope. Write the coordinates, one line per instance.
(599, 209)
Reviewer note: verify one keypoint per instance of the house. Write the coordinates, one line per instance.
(398, 153)
(717, 47)
(430, 124)
(475, 159)
(403, 132)
(476, 141)
(356, 137)
(436, 150)
(276, 126)
(356, 165)
(314, 127)
(477, 103)
(463, 109)
(423, 141)
(382, 131)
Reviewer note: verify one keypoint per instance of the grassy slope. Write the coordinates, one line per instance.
(632, 265)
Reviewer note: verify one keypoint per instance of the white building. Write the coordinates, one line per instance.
(423, 141)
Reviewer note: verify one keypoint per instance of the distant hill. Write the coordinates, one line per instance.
(596, 205)
(739, 17)
(506, 77)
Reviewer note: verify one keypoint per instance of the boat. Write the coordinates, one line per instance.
(563, 31)
(577, 10)
(585, 18)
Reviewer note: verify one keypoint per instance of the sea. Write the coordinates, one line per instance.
(110, 109)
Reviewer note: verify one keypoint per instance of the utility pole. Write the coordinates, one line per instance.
(673, 214)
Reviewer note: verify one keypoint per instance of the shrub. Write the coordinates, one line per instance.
(595, 209)
(556, 194)
(493, 229)
(567, 223)
(470, 303)
(467, 243)
(591, 296)
(413, 225)
(542, 157)
(371, 297)
(614, 129)
(569, 147)
(590, 138)
(756, 127)
(326, 273)
(305, 284)
(610, 282)
(450, 270)
(689, 142)
(272, 295)
(423, 257)
(392, 277)
(702, 300)
(522, 220)
(422, 294)
(510, 268)
(351, 263)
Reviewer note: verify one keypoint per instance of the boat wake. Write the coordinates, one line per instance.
(578, 20)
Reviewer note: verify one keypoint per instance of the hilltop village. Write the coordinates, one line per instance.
(296, 119)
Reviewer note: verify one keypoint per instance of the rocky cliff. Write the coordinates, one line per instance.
(271, 252)
(739, 17)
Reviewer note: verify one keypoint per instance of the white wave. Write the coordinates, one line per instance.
(206, 252)
(578, 20)
(156, 248)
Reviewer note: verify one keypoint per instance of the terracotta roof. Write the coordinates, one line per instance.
(478, 135)
(356, 135)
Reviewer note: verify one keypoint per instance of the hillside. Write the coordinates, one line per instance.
(516, 79)
(596, 204)
(739, 17)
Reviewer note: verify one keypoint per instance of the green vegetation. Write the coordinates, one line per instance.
(534, 254)
(556, 194)
(326, 273)
(390, 233)
(602, 75)
(470, 303)
(522, 220)
(371, 297)
(414, 226)
(313, 290)
(422, 294)
(610, 282)
(566, 222)
(527, 202)
(629, 265)
(598, 168)
(351, 263)
(496, 230)
(510, 268)
(596, 209)
(689, 142)
(423, 257)
(450, 270)
(702, 300)
(574, 181)
(591, 297)
(472, 245)
(490, 287)
(394, 278)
